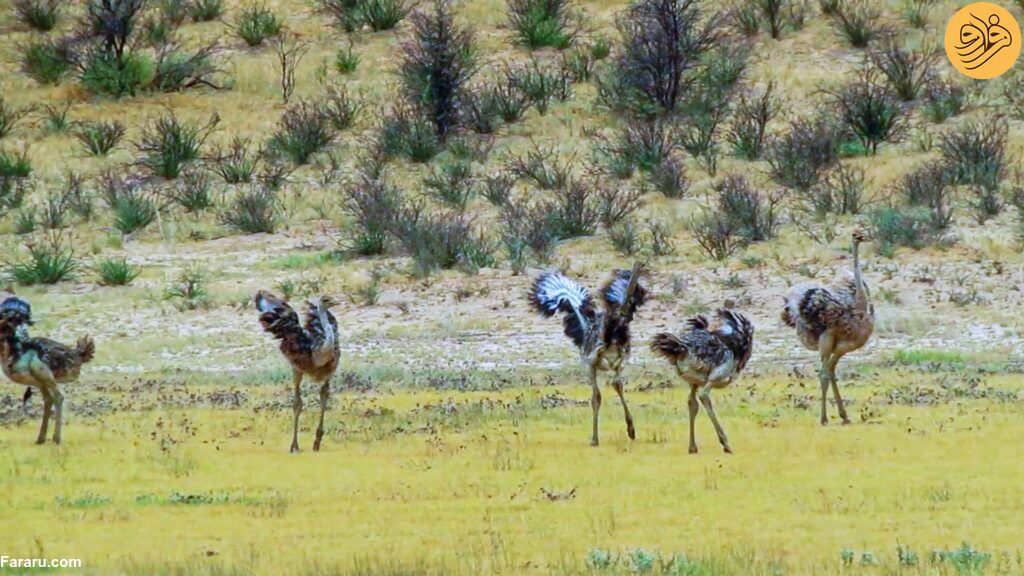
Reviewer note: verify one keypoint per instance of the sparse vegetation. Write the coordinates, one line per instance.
(256, 23)
(99, 138)
(116, 272)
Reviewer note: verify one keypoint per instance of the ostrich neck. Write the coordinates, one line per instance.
(861, 295)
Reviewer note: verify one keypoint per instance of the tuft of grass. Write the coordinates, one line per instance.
(188, 290)
(99, 138)
(916, 356)
(41, 15)
(545, 23)
(49, 261)
(206, 10)
(168, 145)
(254, 210)
(56, 119)
(15, 164)
(305, 128)
(116, 272)
(347, 60)
(255, 23)
(46, 61)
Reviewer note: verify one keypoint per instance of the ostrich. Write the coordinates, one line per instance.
(602, 337)
(311, 349)
(39, 362)
(709, 355)
(834, 321)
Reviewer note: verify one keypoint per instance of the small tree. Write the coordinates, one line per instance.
(871, 110)
(437, 63)
(289, 52)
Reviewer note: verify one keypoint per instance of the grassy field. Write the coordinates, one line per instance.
(459, 426)
(452, 482)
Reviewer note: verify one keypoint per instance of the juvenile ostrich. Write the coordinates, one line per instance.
(39, 362)
(602, 337)
(709, 355)
(834, 321)
(311, 349)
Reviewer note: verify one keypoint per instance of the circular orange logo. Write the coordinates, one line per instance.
(982, 40)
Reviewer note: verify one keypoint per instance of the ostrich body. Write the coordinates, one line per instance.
(311, 349)
(709, 355)
(833, 321)
(39, 363)
(601, 336)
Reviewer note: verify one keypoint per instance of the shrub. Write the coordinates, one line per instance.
(188, 291)
(798, 158)
(341, 108)
(856, 21)
(382, 15)
(406, 133)
(206, 10)
(191, 191)
(643, 143)
(706, 105)
(544, 23)
(664, 48)
(13, 191)
(274, 174)
(76, 196)
(255, 23)
(236, 163)
(746, 18)
(929, 187)
(541, 166)
(774, 14)
(168, 145)
(374, 207)
(617, 203)
(753, 215)
(128, 199)
(116, 272)
(347, 60)
(26, 221)
(10, 116)
(542, 84)
(625, 238)
(574, 210)
(99, 138)
(157, 30)
(176, 70)
(254, 210)
(436, 65)
(661, 243)
(907, 71)
(577, 65)
(345, 13)
(841, 191)
(917, 12)
(669, 178)
(173, 11)
(56, 119)
(49, 261)
(481, 112)
(714, 235)
(943, 100)
(975, 153)
(751, 115)
(497, 189)
(303, 130)
(47, 61)
(15, 164)
(871, 110)
(528, 229)
(894, 227)
(289, 50)
(509, 97)
(41, 15)
(441, 241)
(451, 183)
(109, 74)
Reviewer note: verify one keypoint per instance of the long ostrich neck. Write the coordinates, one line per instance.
(861, 295)
(325, 349)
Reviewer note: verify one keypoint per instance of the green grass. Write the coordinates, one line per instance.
(914, 357)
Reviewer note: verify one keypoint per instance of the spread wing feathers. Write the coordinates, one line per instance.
(276, 316)
(813, 308)
(553, 292)
(709, 343)
(614, 294)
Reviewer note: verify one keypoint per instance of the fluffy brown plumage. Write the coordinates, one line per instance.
(833, 320)
(709, 354)
(311, 348)
(39, 363)
(602, 336)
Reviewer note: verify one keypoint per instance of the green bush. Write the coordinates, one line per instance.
(253, 210)
(41, 15)
(105, 73)
(206, 10)
(46, 62)
(256, 23)
(544, 23)
(383, 14)
(895, 227)
(167, 145)
(303, 130)
(15, 164)
(99, 138)
(116, 272)
(49, 261)
(347, 60)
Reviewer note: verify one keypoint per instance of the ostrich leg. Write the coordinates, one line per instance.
(297, 408)
(595, 404)
(694, 406)
(705, 399)
(619, 384)
(45, 424)
(826, 344)
(832, 363)
(325, 395)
